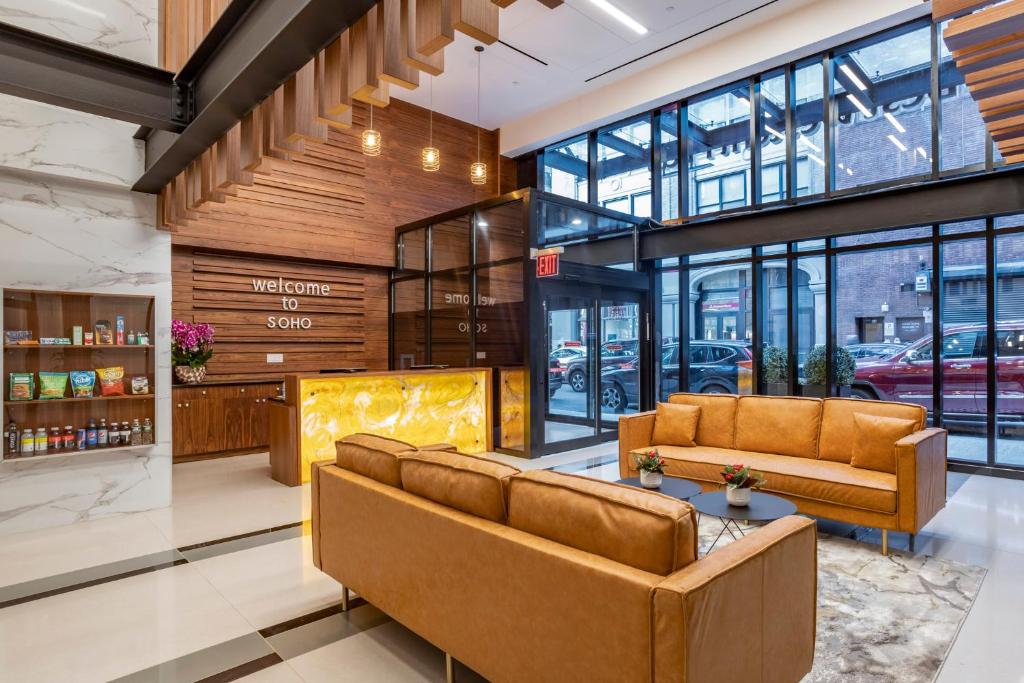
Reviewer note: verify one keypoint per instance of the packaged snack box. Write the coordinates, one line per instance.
(23, 386)
(52, 384)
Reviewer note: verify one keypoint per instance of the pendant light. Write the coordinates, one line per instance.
(371, 139)
(430, 157)
(478, 169)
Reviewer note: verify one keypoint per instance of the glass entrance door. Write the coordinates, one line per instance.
(594, 346)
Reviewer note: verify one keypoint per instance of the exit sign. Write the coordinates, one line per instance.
(547, 265)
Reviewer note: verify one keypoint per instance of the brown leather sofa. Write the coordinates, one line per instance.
(540, 576)
(804, 447)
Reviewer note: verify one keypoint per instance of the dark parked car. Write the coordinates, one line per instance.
(555, 377)
(716, 367)
(613, 353)
(907, 376)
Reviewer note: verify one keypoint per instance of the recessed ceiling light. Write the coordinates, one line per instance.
(577, 221)
(670, 8)
(895, 124)
(621, 16)
(857, 103)
(482, 224)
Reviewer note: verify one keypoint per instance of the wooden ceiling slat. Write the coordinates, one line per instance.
(395, 70)
(278, 135)
(986, 25)
(300, 107)
(477, 19)
(367, 60)
(947, 9)
(433, 26)
(431, 64)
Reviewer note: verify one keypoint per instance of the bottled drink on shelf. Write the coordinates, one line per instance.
(80, 439)
(102, 434)
(28, 442)
(90, 434)
(11, 438)
(136, 432)
(147, 432)
(40, 440)
(69, 438)
(126, 434)
(114, 435)
(56, 442)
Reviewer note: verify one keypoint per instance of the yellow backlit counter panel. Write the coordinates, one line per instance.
(420, 407)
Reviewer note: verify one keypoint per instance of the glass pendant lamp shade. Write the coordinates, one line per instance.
(371, 140)
(430, 158)
(478, 173)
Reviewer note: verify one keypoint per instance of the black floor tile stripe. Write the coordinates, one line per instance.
(243, 670)
(248, 534)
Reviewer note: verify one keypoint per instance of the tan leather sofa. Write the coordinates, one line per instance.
(541, 576)
(804, 448)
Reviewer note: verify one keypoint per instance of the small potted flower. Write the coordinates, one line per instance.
(652, 469)
(740, 480)
(191, 348)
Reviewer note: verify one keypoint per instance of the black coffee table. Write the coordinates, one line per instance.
(763, 507)
(683, 489)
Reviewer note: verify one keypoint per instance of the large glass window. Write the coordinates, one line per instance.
(499, 315)
(719, 151)
(772, 137)
(775, 343)
(668, 332)
(964, 349)
(809, 128)
(962, 137)
(668, 142)
(408, 323)
(721, 327)
(881, 88)
(811, 322)
(624, 167)
(565, 169)
(1010, 350)
(883, 324)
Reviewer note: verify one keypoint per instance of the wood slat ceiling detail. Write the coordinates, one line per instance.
(986, 40)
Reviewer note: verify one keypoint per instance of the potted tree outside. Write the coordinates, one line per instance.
(775, 367)
(815, 381)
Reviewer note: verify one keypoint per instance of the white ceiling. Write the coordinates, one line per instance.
(577, 40)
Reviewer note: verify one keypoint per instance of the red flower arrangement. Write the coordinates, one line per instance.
(742, 477)
(650, 462)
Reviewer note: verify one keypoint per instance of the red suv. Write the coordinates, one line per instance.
(907, 375)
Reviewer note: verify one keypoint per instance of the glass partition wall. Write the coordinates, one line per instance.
(565, 348)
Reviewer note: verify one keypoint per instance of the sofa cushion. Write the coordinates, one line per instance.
(676, 424)
(642, 529)
(874, 441)
(717, 424)
(837, 429)
(477, 486)
(783, 425)
(820, 480)
(372, 456)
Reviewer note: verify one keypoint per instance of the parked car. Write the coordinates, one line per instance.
(716, 367)
(615, 352)
(874, 351)
(908, 375)
(567, 354)
(556, 374)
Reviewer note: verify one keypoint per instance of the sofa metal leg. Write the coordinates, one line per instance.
(344, 598)
(449, 668)
(885, 541)
(910, 542)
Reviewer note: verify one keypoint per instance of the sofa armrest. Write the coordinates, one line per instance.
(760, 591)
(442, 446)
(920, 478)
(635, 431)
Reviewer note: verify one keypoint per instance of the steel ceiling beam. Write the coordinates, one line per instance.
(37, 67)
(253, 48)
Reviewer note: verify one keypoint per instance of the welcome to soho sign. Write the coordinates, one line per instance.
(289, 302)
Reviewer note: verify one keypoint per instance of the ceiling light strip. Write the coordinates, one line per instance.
(617, 14)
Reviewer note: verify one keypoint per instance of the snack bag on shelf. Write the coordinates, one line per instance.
(82, 383)
(23, 386)
(111, 381)
(140, 384)
(52, 384)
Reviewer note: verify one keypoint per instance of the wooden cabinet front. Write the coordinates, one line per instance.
(211, 419)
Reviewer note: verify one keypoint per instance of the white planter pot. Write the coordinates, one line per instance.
(737, 497)
(650, 480)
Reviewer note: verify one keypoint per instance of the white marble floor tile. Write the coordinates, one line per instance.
(114, 629)
(279, 673)
(985, 511)
(29, 555)
(272, 583)
(988, 646)
(225, 497)
(386, 653)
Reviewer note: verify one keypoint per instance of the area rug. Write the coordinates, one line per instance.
(881, 619)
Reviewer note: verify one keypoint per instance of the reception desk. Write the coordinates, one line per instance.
(421, 407)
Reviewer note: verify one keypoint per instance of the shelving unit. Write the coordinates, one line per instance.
(53, 314)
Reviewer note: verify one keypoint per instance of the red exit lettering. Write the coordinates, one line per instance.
(547, 265)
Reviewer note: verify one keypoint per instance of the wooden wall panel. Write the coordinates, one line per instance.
(349, 326)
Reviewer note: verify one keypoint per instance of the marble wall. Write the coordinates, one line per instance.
(68, 221)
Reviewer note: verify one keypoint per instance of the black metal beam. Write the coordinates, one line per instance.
(44, 69)
(941, 201)
(250, 54)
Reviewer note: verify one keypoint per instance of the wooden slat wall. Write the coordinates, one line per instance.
(349, 327)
